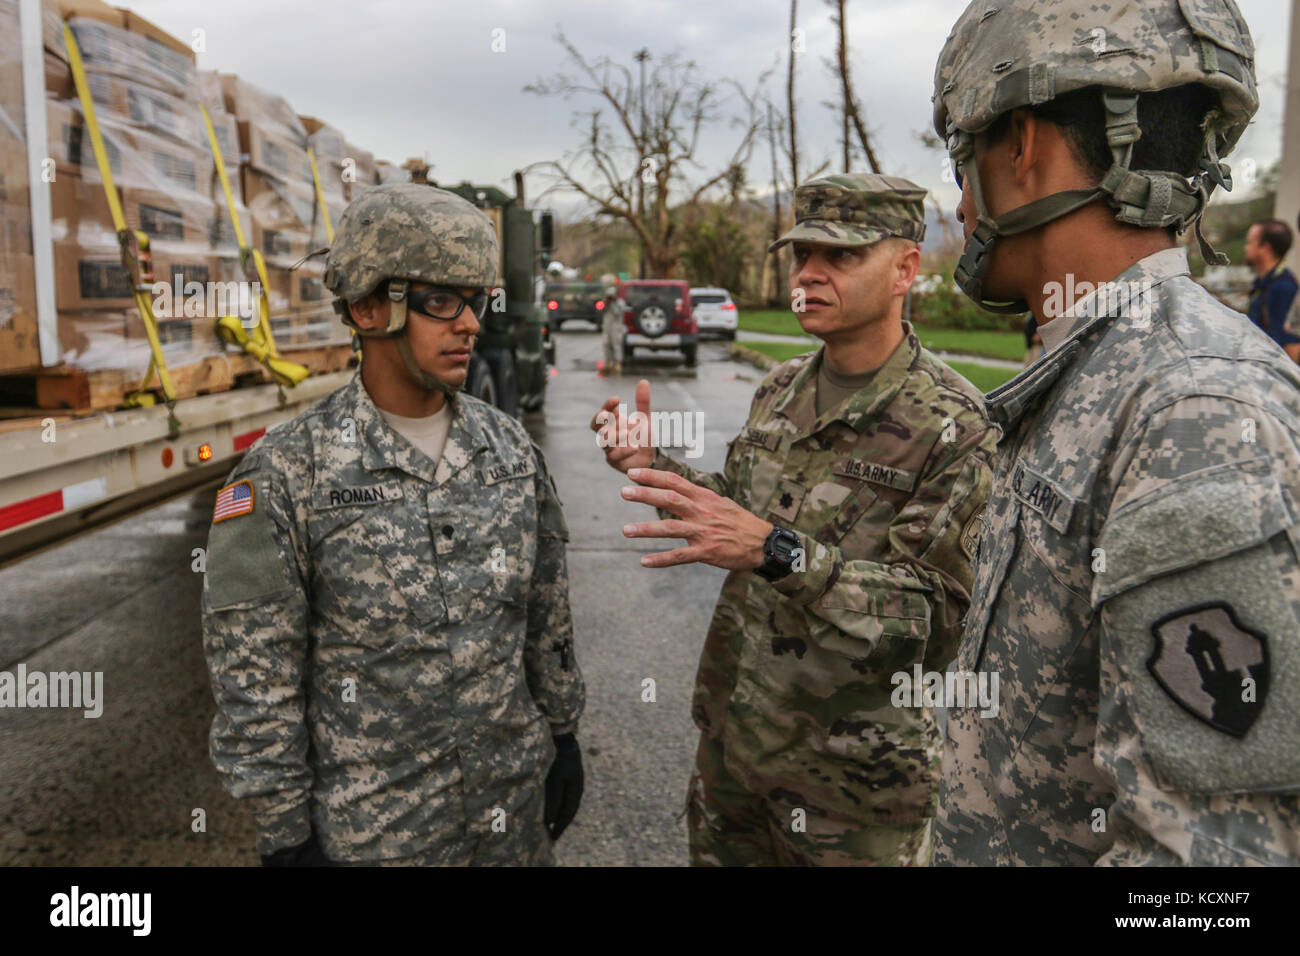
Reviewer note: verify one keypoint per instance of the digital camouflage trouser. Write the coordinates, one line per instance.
(611, 334)
(730, 826)
(524, 841)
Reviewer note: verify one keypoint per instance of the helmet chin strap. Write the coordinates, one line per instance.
(398, 327)
(1145, 198)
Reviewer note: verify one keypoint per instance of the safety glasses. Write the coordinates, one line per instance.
(446, 304)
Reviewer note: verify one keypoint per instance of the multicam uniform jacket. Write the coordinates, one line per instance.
(1138, 593)
(885, 494)
(390, 643)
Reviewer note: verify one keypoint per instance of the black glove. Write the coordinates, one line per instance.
(563, 785)
(308, 853)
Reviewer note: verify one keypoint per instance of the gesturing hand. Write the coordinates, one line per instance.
(717, 530)
(625, 438)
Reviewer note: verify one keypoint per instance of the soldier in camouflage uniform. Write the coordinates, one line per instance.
(853, 492)
(386, 614)
(1137, 587)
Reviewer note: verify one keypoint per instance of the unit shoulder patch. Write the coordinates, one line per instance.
(1212, 666)
(970, 532)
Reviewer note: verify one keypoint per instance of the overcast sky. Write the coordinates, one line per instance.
(419, 78)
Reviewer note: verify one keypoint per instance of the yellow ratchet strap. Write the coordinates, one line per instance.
(230, 328)
(134, 244)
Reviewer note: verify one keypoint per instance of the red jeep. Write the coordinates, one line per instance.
(659, 316)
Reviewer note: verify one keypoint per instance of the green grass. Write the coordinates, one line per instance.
(981, 376)
(771, 321)
(1003, 345)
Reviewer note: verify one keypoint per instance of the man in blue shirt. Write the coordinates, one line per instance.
(1275, 286)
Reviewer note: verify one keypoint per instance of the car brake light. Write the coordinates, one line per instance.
(730, 306)
(552, 305)
(600, 305)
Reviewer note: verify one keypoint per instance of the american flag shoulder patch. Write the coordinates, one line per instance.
(233, 501)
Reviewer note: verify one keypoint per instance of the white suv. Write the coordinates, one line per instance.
(715, 312)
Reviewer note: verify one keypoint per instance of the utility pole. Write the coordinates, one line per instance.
(1287, 205)
(642, 55)
(774, 294)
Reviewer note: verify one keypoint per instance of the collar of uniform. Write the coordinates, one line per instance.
(382, 447)
(1007, 403)
(799, 402)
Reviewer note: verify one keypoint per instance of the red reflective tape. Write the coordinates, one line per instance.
(21, 512)
(246, 439)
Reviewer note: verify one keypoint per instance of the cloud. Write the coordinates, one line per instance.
(406, 78)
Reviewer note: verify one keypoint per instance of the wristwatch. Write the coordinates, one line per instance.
(778, 554)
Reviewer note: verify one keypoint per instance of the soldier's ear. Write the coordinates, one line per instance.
(907, 263)
(370, 312)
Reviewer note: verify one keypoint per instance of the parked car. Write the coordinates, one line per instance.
(574, 300)
(715, 312)
(658, 317)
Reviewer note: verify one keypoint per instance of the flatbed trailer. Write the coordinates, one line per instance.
(60, 478)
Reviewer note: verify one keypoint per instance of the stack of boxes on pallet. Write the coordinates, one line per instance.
(147, 93)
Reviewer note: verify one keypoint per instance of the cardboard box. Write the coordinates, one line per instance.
(20, 346)
(79, 214)
(308, 287)
(278, 204)
(89, 279)
(171, 218)
(91, 9)
(272, 154)
(142, 107)
(279, 247)
(155, 34)
(268, 111)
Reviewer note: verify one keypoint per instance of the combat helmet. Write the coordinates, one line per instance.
(403, 233)
(1006, 54)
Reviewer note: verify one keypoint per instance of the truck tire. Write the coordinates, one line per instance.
(480, 383)
(502, 363)
(692, 355)
(627, 351)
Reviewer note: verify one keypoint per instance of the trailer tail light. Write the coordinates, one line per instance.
(600, 305)
(167, 457)
(198, 454)
(552, 305)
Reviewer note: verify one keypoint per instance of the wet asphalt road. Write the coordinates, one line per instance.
(131, 786)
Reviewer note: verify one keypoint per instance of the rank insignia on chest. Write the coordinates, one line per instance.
(233, 501)
(1212, 666)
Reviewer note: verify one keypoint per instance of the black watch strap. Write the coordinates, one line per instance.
(778, 554)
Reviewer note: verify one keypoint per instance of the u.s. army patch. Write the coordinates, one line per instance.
(886, 475)
(1042, 495)
(1213, 667)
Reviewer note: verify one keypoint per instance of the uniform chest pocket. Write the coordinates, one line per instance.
(485, 538)
(372, 561)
